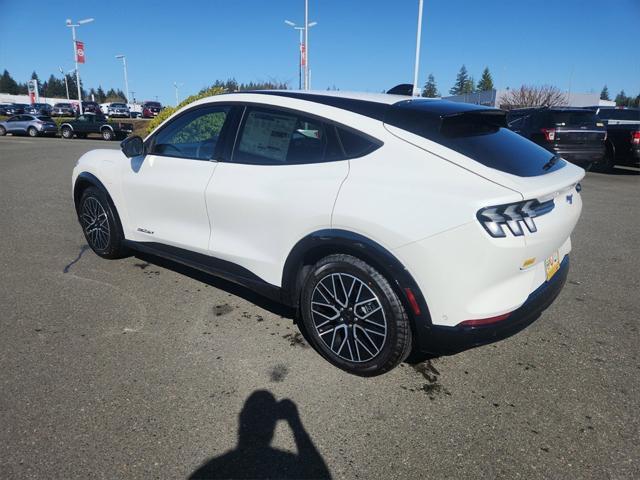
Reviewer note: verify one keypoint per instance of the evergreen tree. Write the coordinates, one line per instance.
(604, 94)
(8, 84)
(100, 95)
(486, 81)
(430, 89)
(461, 80)
(622, 100)
(469, 86)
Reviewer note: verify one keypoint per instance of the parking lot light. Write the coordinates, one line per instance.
(300, 47)
(126, 82)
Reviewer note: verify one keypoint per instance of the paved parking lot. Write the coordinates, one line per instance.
(138, 368)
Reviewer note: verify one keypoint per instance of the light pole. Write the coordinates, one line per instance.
(300, 47)
(66, 83)
(75, 55)
(176, 86)
(416, 88)
(126, 82)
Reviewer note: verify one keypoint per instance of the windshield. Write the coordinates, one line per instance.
(118, 105)
(153, 104)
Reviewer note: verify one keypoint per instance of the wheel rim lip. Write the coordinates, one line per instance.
(351, 337)
(95, 223)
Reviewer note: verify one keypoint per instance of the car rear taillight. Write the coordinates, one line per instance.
(549, 134)
(493, 219)
(635, 138)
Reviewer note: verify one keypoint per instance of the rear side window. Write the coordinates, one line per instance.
(619, 114)
(480, 135)
(355, 144)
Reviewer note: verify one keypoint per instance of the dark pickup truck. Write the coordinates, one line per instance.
(623, 136)
(92, 123)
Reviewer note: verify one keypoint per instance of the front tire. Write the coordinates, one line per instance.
(3, 131)
(107, 134)
(353, 317)
(100, 224)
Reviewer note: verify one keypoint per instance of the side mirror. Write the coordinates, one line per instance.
(132, 146)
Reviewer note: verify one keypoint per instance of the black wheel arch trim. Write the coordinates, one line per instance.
(324, 242)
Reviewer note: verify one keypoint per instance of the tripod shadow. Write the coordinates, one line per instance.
(254, 457)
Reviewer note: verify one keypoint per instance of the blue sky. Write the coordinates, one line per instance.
(357, 44)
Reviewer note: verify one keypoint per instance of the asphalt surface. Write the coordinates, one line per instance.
(137, 368)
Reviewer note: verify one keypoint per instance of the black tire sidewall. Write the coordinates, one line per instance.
(3, 131)
(388, 357)
(115, 248)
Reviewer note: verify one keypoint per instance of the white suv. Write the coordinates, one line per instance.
(392, 224)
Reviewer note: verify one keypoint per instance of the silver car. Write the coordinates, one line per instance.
(32, 125)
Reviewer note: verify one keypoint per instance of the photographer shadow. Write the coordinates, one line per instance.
(254, 457)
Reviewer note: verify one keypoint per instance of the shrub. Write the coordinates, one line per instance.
(168, 111)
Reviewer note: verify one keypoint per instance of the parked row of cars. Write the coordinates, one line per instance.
(68, 109)
(599, 137)
(80, 127)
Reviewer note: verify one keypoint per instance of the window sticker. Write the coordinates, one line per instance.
(267, 135)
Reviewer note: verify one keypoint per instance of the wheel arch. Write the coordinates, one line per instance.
(62, 125)
(86, 180)
(321, 243)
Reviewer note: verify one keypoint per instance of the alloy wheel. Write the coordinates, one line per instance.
(95, 223)
(348, 317)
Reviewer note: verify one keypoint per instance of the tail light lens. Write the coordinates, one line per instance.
(635, 138)
(549, 134)
(513, 215)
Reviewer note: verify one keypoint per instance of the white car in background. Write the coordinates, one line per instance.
(392, 224)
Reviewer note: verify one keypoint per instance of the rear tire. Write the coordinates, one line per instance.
(101, 224)
(3, 131)
(353, 317)
(66, 132)
(32, 132)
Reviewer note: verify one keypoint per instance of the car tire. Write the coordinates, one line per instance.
(32, 131)
(101, 224)
(66, 132)
(352, 316)
(107, 134)
(3, 131)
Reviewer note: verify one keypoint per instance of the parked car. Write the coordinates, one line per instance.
(574, 134)
(617, 115)
(90, 107)
(151, 109)
(63, 110)
(393, 224)
(16, 108)
(5, 108)
(88, 123)
(32, 125)
(39, 109)
(118, 110)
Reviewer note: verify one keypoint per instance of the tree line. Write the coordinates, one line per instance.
(465, 84)
(55, 87)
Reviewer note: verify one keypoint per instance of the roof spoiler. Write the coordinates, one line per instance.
(402, 89)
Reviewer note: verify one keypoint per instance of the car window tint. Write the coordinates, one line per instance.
(45, 119)
(355, 145)
(571, 118)
(272, 137)
(191, 135)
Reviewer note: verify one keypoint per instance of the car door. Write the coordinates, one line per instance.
(280, 184)
(13, 124)
(164, 189)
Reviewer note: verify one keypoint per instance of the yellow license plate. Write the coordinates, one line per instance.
(552, 265)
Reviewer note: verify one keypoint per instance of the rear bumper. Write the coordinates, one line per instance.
(581, 157)
(449, 340)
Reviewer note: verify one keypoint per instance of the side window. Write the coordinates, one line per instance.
(354, 144)
(272, 137)
(192, 135)
(14, 119)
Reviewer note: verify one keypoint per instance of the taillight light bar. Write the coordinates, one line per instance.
(549, 134)
(635, 138)
(513, 215)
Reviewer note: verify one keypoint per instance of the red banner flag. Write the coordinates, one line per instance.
(303, 54)
(79, 52)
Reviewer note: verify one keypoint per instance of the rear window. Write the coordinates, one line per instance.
(480, 135)
(619, 114)
(153, 104)
(45, 119)
(573, 117)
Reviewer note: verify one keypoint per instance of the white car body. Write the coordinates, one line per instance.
(414, 198)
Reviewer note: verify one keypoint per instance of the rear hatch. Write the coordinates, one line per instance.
(576, 129)
(477, 139)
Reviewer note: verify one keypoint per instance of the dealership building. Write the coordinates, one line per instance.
(493, 98)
